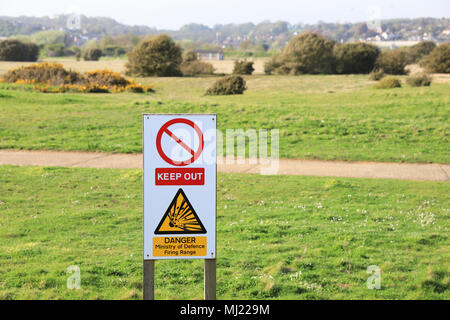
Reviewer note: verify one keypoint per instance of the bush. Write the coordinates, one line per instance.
(46, 73)
(438, 61)
(72, 51)
(158, 56)
(191, 66)
(134, 87)
(55, 50)
(273, 65)
(419, 80)
(59, 50)
(105, 78)
(113, 51)
(53, 78)
(227, 86)
(92, 54)
(190, 56)
(420, 50)
(355, 57)
(394, 61)
(388, 83)
(307, 53)
(243, 67)
(194, 68)
(15, 50)
(376, 75)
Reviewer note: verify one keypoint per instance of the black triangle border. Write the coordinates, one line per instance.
(180, 191)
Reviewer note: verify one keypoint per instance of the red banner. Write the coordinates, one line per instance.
(179, 176)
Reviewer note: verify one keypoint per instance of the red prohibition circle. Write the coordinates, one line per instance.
(195, 154)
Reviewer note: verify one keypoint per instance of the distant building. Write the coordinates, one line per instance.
(210, 54)
(446, 32)
(393, 44)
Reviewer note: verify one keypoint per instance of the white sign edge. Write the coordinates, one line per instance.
(143, 186)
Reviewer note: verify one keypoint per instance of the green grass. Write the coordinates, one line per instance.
(302, 238)
(319, 117)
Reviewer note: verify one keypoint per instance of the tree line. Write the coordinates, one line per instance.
(307, 53)
(274, 34)
(311, 53)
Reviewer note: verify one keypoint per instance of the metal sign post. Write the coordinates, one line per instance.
(179, 193)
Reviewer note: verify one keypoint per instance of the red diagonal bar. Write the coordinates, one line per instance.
(178, 140)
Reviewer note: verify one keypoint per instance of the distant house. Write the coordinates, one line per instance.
(446, 32)
(393, 44)
(210, 54)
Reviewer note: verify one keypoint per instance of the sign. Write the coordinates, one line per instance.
(179, 186)
(180, 217)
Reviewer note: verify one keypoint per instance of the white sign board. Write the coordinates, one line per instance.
(179, 186)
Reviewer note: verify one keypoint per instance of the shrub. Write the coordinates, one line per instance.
(355, 57)
(53, 78)
(15, 50)
(136, 88)
(308, 53)
(194, 68)
(59, 50)
(72, 51)
(159, 56)
(420, 50)
(227, 86)
(419, 80)
(191, 66)
(438, 61)
(48, 73)
(190, 56)
(105, 78)
(55, 50)
(243, 67)
(394, 61)
(133, 87)
(113, 51)
(388, 83)
(273, 65)
(376, 75)
(92, 54)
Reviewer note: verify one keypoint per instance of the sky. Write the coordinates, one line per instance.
(172, 14)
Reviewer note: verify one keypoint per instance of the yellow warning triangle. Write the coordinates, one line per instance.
(180, 217)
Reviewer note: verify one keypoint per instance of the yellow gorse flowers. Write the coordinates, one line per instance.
(53, 78)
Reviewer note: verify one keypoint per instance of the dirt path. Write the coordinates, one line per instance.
(403, 171)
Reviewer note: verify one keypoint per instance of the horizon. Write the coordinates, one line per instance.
(212, 26)
(349, 11)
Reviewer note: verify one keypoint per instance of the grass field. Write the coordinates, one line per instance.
(302, 238)
(319, 117)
